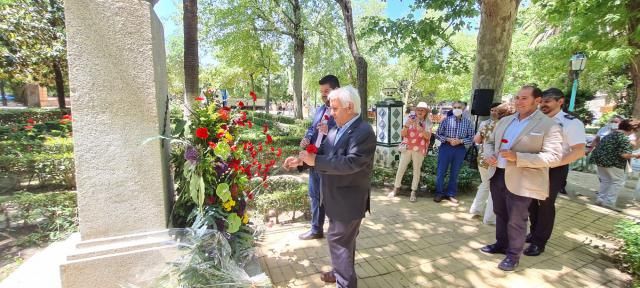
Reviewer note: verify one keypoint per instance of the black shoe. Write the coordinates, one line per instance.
(310, 235)
(563, 191)
(508, 264)
(529, 237)
(493, 249)
(438, 198)
(533, 250)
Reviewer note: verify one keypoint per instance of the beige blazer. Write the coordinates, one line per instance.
(538, 147)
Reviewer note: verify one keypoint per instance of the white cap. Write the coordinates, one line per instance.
(422, 105)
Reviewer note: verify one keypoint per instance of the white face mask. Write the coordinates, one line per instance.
(614, 126)
(457, 112)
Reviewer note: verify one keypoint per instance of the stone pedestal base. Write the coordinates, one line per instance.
(387, 157)
(137, 259)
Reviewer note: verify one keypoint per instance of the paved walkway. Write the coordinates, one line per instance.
(426, 244)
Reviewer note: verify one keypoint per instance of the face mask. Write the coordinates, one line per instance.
(457, 112)
(614, 126)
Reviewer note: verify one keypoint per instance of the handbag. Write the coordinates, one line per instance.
(402, 147)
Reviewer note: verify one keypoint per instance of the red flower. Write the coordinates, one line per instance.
(273, 149)
(241, 104)
(224, 114)
(505, 141)
(279, 152)
(312, 149)
(224, 127)
(269, 139)
(265, 128)
(260, 147)
(31, 121)
(249, 124)
(212, 145)
(220, 135)
(247, 170)
(250, 196)
(234, 191)
(28, 127)
(66, 117)
(244, 116)
(202, 133)
(200, 98)
(253, 96)
(235, 164)
(234, 148)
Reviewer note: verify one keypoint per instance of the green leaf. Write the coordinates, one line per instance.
(194, 187)
(180, 124)
(223, 192)
(234, 223)
(201, 193)
(222, 150)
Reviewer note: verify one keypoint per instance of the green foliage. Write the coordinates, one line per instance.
(54, 215)
(629, 233)
(32, 39)
(284, 195)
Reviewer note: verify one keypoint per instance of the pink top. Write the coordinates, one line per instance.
(414, 141)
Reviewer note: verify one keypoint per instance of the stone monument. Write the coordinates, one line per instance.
(118, 82)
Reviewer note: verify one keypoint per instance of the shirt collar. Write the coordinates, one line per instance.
(560, 115)
(517, 116)
(346, 125)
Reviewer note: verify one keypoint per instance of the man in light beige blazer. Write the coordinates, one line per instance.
(520, 151)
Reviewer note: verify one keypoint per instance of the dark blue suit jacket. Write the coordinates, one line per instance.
(345, 171)
(312, 132)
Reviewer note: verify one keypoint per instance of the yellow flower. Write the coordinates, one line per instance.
(229, 204)
(228, 137)
(245, 218)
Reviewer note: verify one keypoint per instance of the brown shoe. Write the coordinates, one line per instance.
(328, 277)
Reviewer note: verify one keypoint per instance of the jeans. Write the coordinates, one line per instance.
(449, 157)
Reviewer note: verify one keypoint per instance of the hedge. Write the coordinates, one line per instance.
(14, 116)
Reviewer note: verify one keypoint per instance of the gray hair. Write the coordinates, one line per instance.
(347, 95)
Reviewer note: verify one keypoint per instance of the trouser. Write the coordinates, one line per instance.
(317, 209)
(341, 237)
(449, 158)
(405, 157)
(511, 216)
(483, 204)
(611, 181)
(542, 213)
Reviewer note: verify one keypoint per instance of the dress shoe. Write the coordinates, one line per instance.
(533, 250)
(529, 237)
(310, 235)
(328, 277)
(452, 199)
(508, 264)
(493, 249)
(438, 198)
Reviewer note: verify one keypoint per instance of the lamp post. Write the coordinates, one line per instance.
(578, 61)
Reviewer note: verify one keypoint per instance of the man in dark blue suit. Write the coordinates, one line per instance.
(319, 128)
(345, 164)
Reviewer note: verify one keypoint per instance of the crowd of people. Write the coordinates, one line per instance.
(525, 149)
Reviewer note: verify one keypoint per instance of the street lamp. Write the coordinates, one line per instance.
(578, 61)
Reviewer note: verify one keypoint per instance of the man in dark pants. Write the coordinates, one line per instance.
(455, 132)
(542, 213)
(520, 150)
(345, 165)
(318, 128)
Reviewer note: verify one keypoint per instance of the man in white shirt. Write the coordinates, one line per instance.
(542, 213)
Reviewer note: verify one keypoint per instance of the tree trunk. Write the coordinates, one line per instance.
(59, 84)
(267, 100)
(412, 82)
(298, 65)
(298, 56)
(361, 63)
(191, 61)
(2, 93)
(634, 23)
(497, 21)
